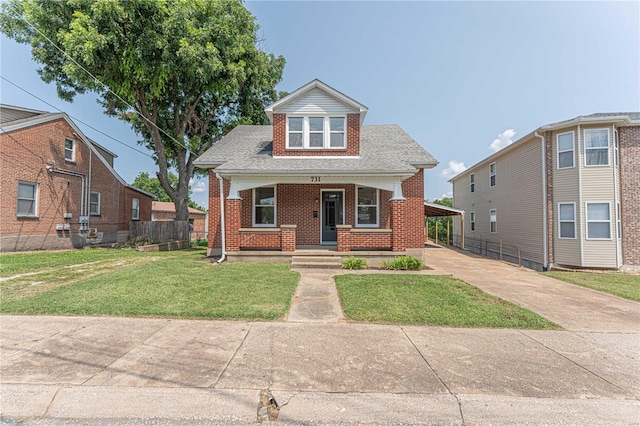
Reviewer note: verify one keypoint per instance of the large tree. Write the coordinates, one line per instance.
(181, 72)
(152, 185)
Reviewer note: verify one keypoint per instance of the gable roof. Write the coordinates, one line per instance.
(317, 84)
(384, 149)
(169, 207)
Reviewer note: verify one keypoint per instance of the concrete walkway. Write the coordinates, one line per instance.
(316, 297)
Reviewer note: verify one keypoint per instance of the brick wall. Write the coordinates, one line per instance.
(215, 236)
(370, 240)
(260, 239)
(413, 191)
(629, 139)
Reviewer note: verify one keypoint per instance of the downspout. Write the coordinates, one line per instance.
(223, 249)
(580, 208)
(616, 187)
(545, 221)
(88, 195)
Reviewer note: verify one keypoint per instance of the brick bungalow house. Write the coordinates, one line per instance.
(163, 211)
(59, 188)
(316, 179)
(566, 194)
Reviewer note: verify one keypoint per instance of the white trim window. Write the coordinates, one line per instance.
(472, 220)
(316, 132)
(492, 174)
(94, 203)
(596, 147)
(616, 148)
(27, 199)
(619, 221)
(567, 220)
(69, 149)
(566, 153)
(493, 221)
(598, 221)
(264, 207)
(135, 209)
(367, 207)
(472, 182)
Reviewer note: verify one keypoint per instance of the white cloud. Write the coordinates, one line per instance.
(447, 195)
(199, 187)
(504, 139)
(454, 168)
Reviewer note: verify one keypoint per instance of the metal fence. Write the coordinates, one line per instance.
(161, 232)
(516, 254)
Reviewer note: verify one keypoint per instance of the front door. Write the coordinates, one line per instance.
(331, 216)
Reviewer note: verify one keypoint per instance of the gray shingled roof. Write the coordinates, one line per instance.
(633, 116)
(383, 149)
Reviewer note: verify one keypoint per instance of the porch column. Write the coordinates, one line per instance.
(398, 225)
(344, 231)
(288, 236)
(232, 224)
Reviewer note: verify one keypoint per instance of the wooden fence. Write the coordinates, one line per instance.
(161, 232)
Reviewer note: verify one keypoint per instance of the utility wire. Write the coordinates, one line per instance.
(95, 78)
(75, 118)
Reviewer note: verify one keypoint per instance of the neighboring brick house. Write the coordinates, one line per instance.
(566, 194)
(163, 211)
(59, 188)
(316, 178)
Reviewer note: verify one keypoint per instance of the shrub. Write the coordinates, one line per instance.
(404, 263)
(200, 242)
(354, 263)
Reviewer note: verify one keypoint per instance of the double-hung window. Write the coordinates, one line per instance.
(618, 221)
(567, 222)
(596, 147)
(472, 219)
(337, 132)
(565, 150)
(616, 148)
(492, 174)
(69, 149)
(264, 206)
(27, 199)
(598, 221)
(472, 179)
(135, 209)
(295, 134)
(94, 204)
(316, 132)
(493, 221)
(367, 207)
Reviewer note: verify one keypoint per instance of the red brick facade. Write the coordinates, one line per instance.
(26, 154)
(629, 139)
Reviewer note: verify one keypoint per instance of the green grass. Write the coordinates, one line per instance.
(616, 283)
(429, 300)
(169, 284)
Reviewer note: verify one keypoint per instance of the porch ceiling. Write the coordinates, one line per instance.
(431, 210)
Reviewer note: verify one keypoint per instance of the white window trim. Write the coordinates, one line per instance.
(377, 206)
(584, 143)
(573, 150)
(587, 221)
(495, 213)
(618, 221)
(35, 200)
(472, 182)
(560, 221)
(472, 221)
(73, 150)
(616, 148)
(99, 199)
(137, 209)
(492, 174)
(275, 208)
(326, 133)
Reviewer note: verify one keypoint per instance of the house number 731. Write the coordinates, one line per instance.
(315, 178)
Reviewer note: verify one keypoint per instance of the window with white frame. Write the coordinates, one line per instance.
(472, 180)
(598, 221)
(565, 150)
(135, 209)
(69, 149)
(493, 221)
(264, 206)
(492, 174)
(567, 220)
(596, 147)
(618, 221)
(472, 220)
(616, 147)
(94, 204)
(316, 132)
(27, 199)
(367, 207)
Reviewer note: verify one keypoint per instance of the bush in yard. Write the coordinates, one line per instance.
(404, 263)
(354, 263)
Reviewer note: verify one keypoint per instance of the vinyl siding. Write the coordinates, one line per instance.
(316, 102)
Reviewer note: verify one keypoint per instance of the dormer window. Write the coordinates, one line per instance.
(316, 132)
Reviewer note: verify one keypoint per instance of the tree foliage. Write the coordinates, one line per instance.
(152, 184)
(192, 69)
(442, 223)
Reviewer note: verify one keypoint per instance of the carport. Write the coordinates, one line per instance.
(437, 210)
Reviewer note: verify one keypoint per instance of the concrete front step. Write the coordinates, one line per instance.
(317, 262)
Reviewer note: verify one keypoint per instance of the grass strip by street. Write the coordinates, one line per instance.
(429, 300)
(179, 284)
(620, 284)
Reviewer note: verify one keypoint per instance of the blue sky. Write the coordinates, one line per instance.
(459, 77)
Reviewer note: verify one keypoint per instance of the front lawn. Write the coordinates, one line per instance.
(429, 300)
(617, 283)
(129, 283)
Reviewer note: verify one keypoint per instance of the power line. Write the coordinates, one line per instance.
(75, 118)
